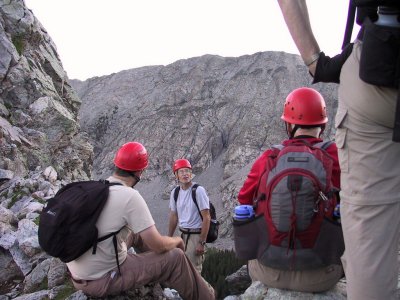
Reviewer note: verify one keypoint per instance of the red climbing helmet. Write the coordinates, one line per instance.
(131, 156)
(180, 164)
(305, 106)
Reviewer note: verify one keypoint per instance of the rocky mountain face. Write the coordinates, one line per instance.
(41, 146)
(38, 107)
(220, 113)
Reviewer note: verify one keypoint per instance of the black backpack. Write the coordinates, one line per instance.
(67, 225)
(214, 224)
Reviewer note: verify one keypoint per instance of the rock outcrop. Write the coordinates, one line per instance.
(41, 147)
(38, 107)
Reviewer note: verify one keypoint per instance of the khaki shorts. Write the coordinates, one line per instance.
(192, 241)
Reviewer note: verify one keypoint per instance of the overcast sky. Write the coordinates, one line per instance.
(99, 37)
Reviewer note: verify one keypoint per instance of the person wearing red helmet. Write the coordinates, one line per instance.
(159, 258)
(183, 212)
(305, 117)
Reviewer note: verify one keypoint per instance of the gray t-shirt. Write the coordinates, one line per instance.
(188, 215)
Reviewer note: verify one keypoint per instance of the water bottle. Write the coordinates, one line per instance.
(243, 212)
(336, 214)
(388, 16)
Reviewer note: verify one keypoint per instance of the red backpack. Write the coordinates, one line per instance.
(297, 198)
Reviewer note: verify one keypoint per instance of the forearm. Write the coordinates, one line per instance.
(173, 222)
(297, 20)
(159, 243)
(205, 225)
(167, 243)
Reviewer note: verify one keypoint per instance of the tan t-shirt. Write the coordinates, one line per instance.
(124, 207)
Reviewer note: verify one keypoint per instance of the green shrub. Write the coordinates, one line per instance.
(218, 264)
(18, 194)
(67, 290)
(19, 43)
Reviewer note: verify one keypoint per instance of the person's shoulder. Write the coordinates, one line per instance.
(200, 189)
(327, 144)
(198, 186)
(265, 154)
(172, 193)
(330, 147)
(124, 192)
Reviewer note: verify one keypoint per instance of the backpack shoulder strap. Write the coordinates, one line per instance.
(194, 189)
(349, 24)
(109, 183)
(277, 146)
(260, 192)
(323, 145)
(115, 243)
(112, 234)
(176, 193)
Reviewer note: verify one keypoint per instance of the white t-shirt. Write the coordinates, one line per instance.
(188, 215)
(124, 207)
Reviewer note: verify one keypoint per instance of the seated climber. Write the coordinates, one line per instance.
(98, 275)
(295, 187)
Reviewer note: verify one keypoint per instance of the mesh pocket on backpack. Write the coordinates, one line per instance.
(250, 237)
(330, 242)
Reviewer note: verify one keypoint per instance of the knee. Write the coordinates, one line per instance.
(176, 253)
(175, 258)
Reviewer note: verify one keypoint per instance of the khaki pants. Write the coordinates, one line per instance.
(302, 281)
(370, 179)
(192, 241)
(172, 269)
(371, 235)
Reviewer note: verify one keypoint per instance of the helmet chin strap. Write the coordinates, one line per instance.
(291, 131)
(322, 130)
(137, 178)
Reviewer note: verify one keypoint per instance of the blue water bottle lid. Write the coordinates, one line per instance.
(243, 212)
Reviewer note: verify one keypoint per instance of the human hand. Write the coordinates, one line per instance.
(179, 242)
(200, 249)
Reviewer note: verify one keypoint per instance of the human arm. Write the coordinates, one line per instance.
(332, 150)
(249, 188)
(173, 222)
(173, 214)
(159, 243)
(297, 20)
(205, 226)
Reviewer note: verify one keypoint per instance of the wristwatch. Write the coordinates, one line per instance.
(202, 243)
